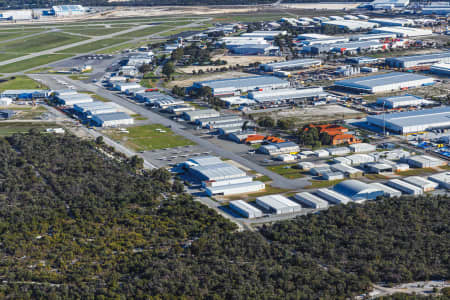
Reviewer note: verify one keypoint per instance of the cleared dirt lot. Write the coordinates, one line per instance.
(233, 61)
(323, 113)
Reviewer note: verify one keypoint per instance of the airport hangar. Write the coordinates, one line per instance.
(387, 82)
(413, 121)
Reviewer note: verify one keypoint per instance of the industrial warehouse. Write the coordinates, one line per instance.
(219, 177)
(402, 101)
(290, 65)
(235, 86)
(413, 121)
(418, 60)
(393, 81)
(282, 95)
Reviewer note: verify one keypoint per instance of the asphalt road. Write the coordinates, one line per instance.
(278, 180)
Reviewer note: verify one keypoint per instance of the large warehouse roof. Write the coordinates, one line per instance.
(221, 170)
(351, 24)
(421, 57)
(113, 116)
(241, 82)
(287, 94)
(205, 160)
(403, 31)
(370, 83)
(404, 100)
(291, 64)
(413, 121)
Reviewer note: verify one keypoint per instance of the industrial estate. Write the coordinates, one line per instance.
(260, 120)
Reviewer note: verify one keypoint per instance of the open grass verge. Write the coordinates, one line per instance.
(145, 31)
(125, 46)
(7, 129)
(375, 176)
(33, 62)
(148, 137)
(180, 30)
(269, 190)
(416, 172)
(8, 56)
(94, 30)
(40, 42)
(139, 117)
(263, 178)
(287, 171)
(8, 35)
(94, 46)
(318, 184)
(20, 82)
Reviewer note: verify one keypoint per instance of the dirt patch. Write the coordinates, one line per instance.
(323, 113)
(233, 61)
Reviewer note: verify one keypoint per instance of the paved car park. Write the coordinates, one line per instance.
(172, 156)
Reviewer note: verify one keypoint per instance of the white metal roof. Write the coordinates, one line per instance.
(205, 160)
(219, 170)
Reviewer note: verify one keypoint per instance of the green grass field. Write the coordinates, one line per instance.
(180, 30)
(20, 82)
(145, 31)
(416, 172)
(318, 184)
(10, 128)
(40, 42)
(7, 56)
(7, 35)
(119, 48)
(248, 17)
(94, 46)
(94, 30)
(287, 171)
(146, 137)
(32, 62)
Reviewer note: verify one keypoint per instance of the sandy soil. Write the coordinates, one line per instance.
(233, 61)
(317, 111)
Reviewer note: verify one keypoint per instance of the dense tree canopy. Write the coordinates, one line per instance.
(75, 223)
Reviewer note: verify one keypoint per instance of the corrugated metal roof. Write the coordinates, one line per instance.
(113, 116)
(291, 63)
(370, 82)
(259, 81)
(219, 170)
(420, 57)
(206, 160)
(418, 117)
